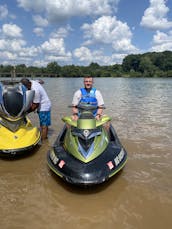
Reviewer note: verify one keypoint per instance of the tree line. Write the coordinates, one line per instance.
(151, 64)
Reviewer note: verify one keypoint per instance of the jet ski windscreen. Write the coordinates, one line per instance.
(13, 102)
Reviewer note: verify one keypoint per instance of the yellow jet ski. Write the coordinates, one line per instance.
(17, 134)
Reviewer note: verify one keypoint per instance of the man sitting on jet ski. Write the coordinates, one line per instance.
(88, 95)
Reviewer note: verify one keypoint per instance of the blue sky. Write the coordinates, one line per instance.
(82, 31)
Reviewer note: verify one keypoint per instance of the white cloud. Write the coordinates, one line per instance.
(54, 46)
(117, 58)
(23, 55)
(37, 5)
(40, 21)
(83, 54)
(62, 32)
(39, 63)
(57, 10)
(155, 16)
(28, 52)
(3, 11)
(54, 50)
(13, 47)
(86, 56)
(2, 44)
(11, 38)
(162, 41)
(11, 31)
(108, 30)
(65, 58)
(124, 45)
(6, 56)
(16, 47)
(39, 32)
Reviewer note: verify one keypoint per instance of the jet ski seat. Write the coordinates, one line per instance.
(86, 116)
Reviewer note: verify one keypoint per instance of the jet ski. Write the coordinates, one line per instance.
(17, 135)
(87, 151)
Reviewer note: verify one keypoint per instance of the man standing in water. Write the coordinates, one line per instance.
(42, 103)
(88, 94)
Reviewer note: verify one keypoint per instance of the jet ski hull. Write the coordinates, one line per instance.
(18, 142)
(93, 172)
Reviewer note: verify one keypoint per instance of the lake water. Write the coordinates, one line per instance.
(139, 197)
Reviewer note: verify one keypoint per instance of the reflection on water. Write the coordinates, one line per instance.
(140, 196)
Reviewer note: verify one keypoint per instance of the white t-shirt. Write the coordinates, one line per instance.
(77, 96)
(40, 97)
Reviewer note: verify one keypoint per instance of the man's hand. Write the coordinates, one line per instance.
(75, 116)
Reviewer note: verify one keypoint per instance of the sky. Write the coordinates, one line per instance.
(81, 32)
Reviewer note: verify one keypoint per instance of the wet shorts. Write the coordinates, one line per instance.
(44, 118)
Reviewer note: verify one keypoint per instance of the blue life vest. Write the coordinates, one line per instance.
(89, 98)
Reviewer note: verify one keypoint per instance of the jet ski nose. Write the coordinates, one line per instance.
(13, 102)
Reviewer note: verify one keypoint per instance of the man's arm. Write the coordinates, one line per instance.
(100, 102)
(75, 102)
(33, 107)
(74, 110)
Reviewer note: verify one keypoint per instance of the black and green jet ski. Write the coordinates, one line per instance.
(87, 151)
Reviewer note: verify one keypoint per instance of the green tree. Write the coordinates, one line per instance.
(53, 68)
(146, 67)
(131, 62)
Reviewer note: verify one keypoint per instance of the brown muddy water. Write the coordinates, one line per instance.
(139, 197)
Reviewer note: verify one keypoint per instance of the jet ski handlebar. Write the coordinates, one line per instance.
(87, 107)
